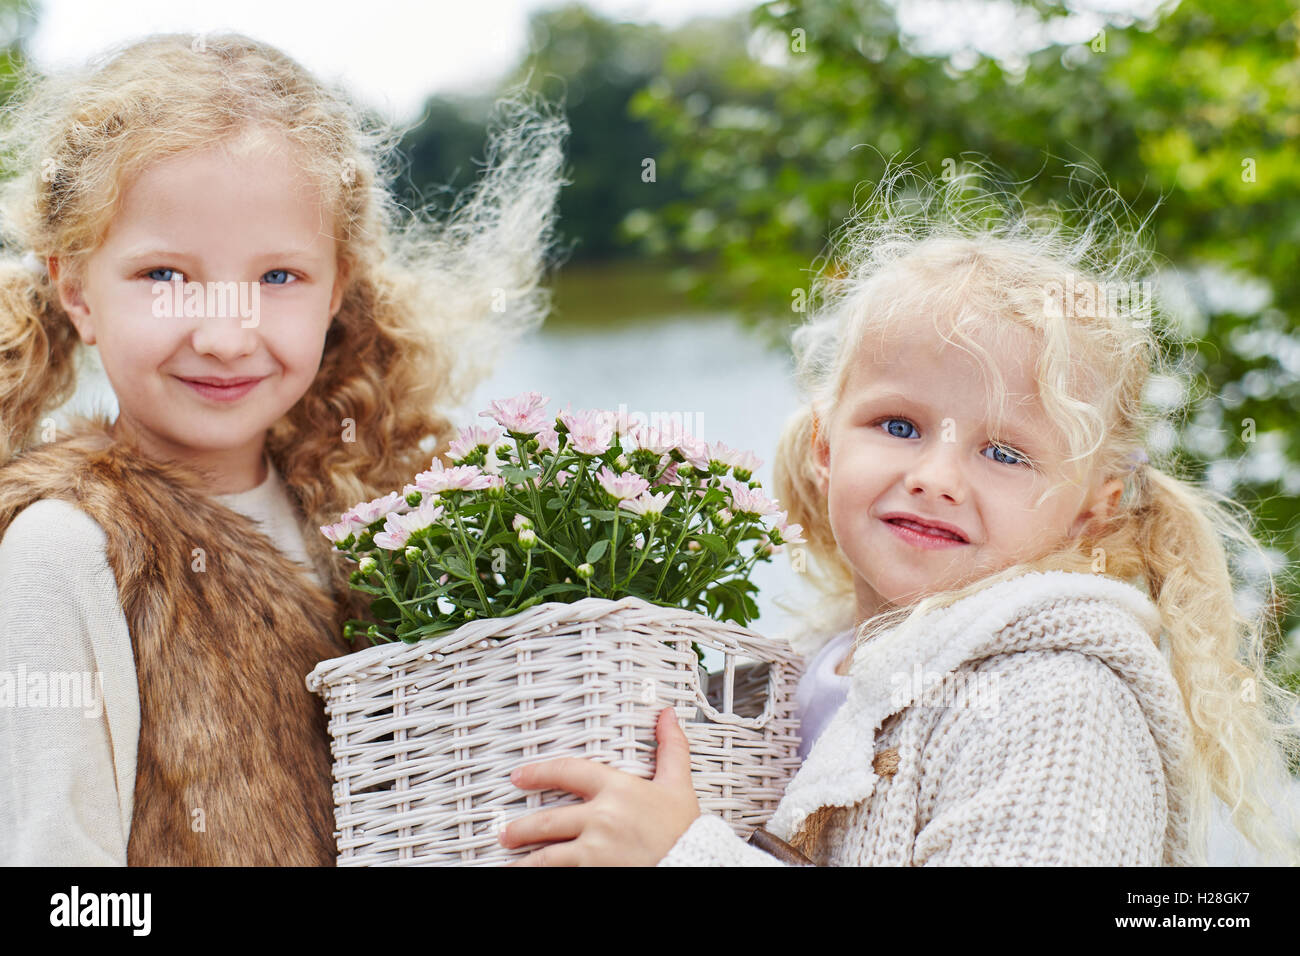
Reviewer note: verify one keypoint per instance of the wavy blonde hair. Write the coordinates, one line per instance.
(974, 257)
(429, 303)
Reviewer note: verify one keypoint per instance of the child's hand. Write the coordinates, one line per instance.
(622, 821)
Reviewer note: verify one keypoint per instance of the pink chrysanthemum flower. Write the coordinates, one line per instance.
(591, 432)
(622, 486)
(669, 477)
(548, 439)
(470, 439)
(521, 414)
(647, 504)
(740, 461)
(459, 478)
(340, 530)
(788, 532)
(368, 512)
(398, 528)
(694, 451)
(748, 501)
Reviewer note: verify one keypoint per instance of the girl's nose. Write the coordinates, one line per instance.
(937, 473)
(224, 337)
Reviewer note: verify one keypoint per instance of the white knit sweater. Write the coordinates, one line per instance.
(67, 774)
(1035, 723)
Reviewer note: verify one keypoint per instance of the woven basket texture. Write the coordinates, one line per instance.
(425, 735)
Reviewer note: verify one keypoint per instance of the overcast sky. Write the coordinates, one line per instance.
(392, 53)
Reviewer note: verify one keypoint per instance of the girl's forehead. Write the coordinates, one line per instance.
(917, 352)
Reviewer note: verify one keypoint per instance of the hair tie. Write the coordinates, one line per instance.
(34, 264)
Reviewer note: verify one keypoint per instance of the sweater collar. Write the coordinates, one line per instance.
(973, 627)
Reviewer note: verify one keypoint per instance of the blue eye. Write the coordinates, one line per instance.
(277, 277)
(891, 422)
(1015, 458)
(173, 274)
(1009, 457)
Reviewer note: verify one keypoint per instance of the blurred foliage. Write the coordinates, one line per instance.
(774, 127)
(593, 67)
(18, 19)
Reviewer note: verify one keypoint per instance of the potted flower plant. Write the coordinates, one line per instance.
(544, 594)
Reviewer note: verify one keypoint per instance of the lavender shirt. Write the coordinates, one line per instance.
(821, 690)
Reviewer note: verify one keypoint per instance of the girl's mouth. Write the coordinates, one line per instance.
(223, 393)
(921, 536)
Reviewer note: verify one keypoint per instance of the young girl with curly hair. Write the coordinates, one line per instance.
(283, 340)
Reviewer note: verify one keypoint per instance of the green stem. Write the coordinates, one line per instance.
(531, 491)
(613, 551)
(670, 560)
(473, 558)
(558, 555)
(645, 552)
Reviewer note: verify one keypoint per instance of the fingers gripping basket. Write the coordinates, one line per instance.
(425, 735)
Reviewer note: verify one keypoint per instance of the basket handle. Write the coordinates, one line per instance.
(735, 720)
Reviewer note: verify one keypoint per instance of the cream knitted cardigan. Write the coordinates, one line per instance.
(1035, 723)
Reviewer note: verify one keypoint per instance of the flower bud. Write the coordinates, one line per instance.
(521, 523)
(585, 571)
(367, 566)
(496, 492)
(692, 545)
(349, 630)
(528, 538)
(414, 498)
(412, 553)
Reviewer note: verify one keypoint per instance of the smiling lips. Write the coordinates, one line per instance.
(223, 382)
(925, 534)
(222, 389)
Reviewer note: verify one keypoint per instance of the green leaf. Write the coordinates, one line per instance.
(715, 543)
(597, 550)
(384, 609)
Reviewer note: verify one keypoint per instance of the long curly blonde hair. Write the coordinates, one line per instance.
(429, 302)
(975, 257)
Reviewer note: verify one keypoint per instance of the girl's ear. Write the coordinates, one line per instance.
(72, 300)
(1100, 506)
(341, 276)
(821, 456)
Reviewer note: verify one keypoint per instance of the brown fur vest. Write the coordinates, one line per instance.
(227, 725)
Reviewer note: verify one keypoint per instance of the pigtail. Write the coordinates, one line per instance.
(39, 347)
(1245, 727)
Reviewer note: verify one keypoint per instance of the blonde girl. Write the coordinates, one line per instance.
(1043, 660)
(283, 340)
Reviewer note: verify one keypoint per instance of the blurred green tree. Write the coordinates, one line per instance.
(593, 67)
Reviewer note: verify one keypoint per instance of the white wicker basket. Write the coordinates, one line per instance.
(425, 735)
